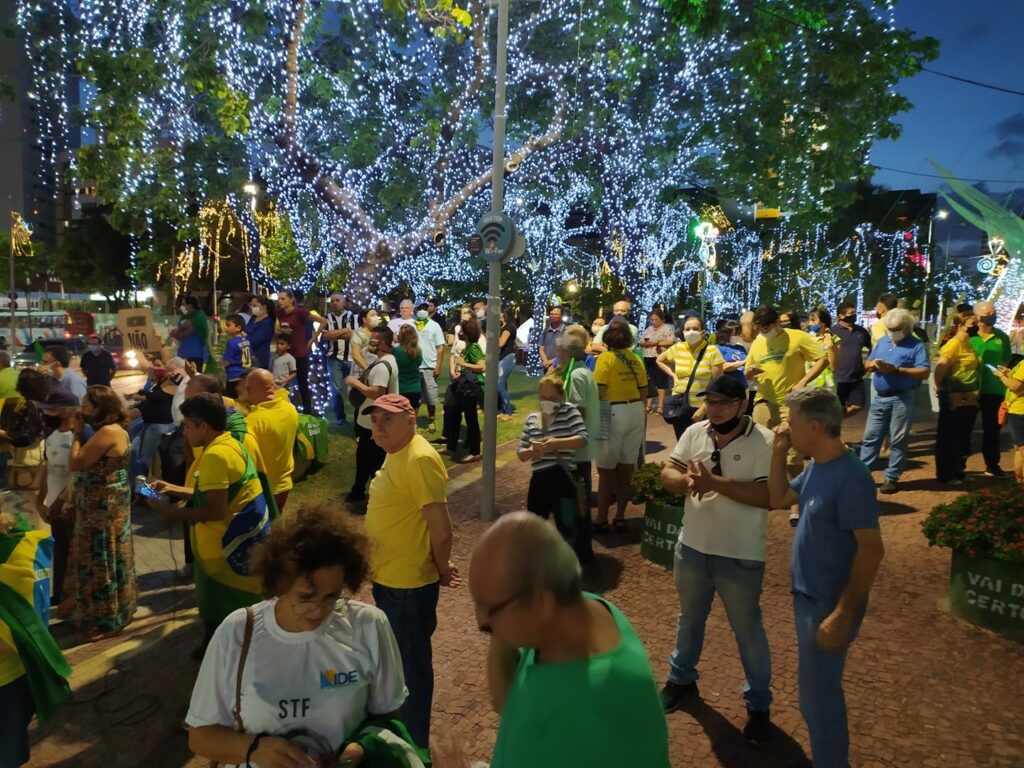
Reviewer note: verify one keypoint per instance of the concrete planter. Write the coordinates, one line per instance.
(988, 593)
(661, 531)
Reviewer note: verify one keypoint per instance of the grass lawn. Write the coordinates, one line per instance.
(335, 478)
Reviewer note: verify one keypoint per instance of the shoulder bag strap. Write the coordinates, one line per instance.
(246, 642)
(696, 365)
(636, 379)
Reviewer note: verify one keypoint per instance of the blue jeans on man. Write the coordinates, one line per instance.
(892, 416)
(412, 614)
(738, 583)
(822, 701)
(505, 366)
(339, 370)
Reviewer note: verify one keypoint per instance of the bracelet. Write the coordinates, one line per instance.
(252, 749)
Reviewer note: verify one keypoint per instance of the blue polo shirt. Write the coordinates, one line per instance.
(909, 353)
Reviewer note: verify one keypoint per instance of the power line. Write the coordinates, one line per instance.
(973, 82)
(937, 176)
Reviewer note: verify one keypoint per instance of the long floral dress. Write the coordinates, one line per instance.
(102, 553)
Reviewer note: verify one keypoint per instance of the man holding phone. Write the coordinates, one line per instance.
(994, 350)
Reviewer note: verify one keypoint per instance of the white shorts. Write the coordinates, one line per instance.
(429, 391)
(625, 436)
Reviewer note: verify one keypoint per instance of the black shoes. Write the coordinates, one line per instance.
(888, 487)
(758, 728)
(995, 472)
(674, 695)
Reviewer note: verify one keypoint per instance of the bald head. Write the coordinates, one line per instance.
(525, 555)
(259, 386)
(986, 314)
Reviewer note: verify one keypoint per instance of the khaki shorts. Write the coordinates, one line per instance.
(770, 415)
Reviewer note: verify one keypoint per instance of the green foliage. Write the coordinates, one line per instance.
(986, 523)
(279, 253)
(94, 257)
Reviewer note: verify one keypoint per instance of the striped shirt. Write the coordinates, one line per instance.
(680, 357)
(567, 423)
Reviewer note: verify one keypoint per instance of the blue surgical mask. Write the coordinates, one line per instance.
(814, 328)
(94, 347)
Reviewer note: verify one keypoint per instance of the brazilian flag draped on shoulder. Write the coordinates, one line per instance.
(25, 562)
(223, 547)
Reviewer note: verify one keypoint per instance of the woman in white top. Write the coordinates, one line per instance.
(656, 338)
(318, 664)
(358, 345)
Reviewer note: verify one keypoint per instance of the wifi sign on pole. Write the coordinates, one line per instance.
(498, 234)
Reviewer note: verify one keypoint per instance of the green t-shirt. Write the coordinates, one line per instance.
(995, 350)
(409, 381)
(557, 715)
(474, 354)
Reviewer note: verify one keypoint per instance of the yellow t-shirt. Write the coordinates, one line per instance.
(221, 465)
(682, 359)
(878, 332)
(273, 425)
(400, 553)
(1015, 403)
(963, 372)
(622, 373)
(783, 362)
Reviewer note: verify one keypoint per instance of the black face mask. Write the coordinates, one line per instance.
(52, 422)
(850, 320)
(988, 320)
(972, 331)
(728, 426)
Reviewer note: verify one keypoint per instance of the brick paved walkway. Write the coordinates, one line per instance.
(923, 688)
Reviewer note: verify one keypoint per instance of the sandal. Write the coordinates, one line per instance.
(471, 459)
(619, 524)
(597, 528)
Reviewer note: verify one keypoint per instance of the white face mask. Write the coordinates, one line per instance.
(693, 336)
(421, 314)
(183, 309)
(771, 334)
(256, 308)
(549, 407)
(481, 314)
(897, 336)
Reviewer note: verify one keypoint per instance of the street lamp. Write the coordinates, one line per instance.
(939, 214)
(252, 189)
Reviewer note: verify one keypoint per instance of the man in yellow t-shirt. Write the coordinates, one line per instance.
(781, 360)
(885, 303)
(227, 505)
(273, 422)
(410, 536)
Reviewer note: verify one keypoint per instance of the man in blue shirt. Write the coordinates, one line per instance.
(836, 554)
(899, 361)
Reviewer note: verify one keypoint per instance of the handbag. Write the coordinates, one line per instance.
(677, 405)
(356, 397)
(1004, 414)
(237, 711)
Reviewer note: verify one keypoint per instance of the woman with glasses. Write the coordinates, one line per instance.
(294, 679)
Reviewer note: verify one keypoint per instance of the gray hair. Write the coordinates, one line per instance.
(176, 363)
(574, 341)
(5, 359)
(540, 560)
(405, 302)
(819, 404)
(898, 318)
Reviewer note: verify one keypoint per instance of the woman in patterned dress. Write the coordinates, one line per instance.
(102, 566)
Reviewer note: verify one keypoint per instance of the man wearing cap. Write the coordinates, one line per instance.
(97, 364)
(410, 545)
(431, 357)
(722, 464)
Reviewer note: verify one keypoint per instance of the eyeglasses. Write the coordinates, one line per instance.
(491, 611)
(716, 462)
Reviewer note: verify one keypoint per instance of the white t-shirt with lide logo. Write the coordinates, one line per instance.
(313, 688)
(716, 525)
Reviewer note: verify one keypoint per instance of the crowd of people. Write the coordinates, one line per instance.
(295, 670)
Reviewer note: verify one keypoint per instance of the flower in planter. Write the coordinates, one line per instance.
(647, 488)
(986, 523)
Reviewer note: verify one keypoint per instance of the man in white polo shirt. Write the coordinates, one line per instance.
(722, 466)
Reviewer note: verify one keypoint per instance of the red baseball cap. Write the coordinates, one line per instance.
(392, 404)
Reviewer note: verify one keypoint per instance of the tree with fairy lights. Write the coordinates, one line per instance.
(370, 132)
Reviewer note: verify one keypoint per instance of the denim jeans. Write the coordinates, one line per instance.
(822, 702)
(505, 366)
(412, 614)
(339, 370)
(738, 583)
(888, 416)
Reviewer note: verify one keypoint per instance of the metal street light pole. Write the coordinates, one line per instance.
(490, 447)
(940, 214)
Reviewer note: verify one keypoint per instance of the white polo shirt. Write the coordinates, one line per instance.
(716, 525)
